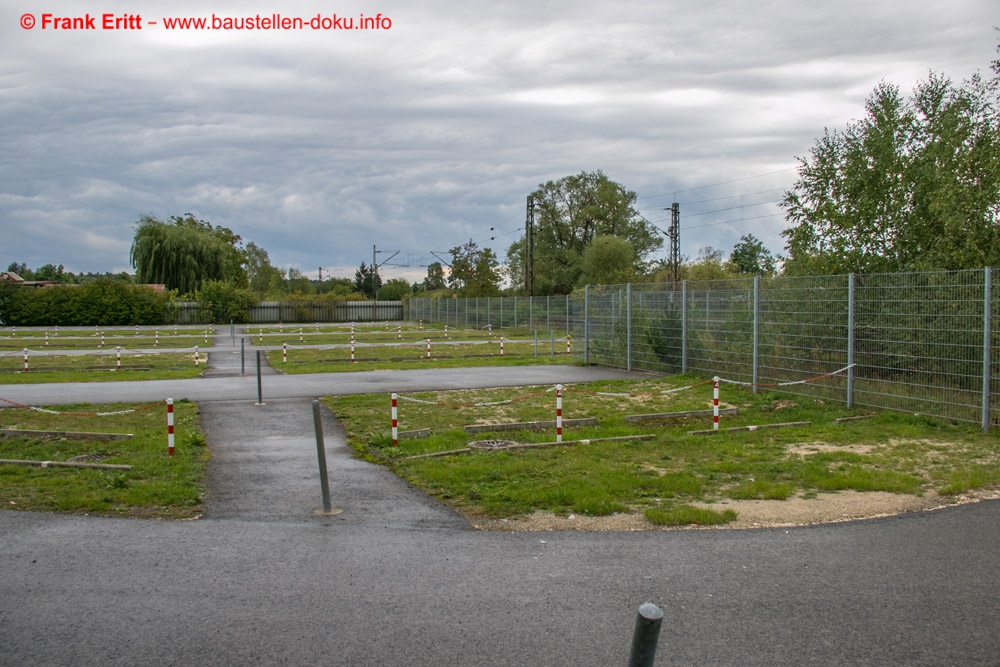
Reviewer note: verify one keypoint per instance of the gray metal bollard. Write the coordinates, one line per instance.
(321, 454)
(646, 635)
(260, 393)
(243, 358)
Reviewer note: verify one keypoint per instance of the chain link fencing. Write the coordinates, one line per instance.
(915, 342)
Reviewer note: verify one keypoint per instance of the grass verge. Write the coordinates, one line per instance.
(157, 486)
(662, 477)
(100, 368)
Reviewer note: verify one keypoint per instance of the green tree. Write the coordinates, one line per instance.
(260, 273)
(185, 252)
(569, 214)
(435, 277)
(750, 256)
(913, 185)
(708, 266)
(475, 271)
(224, 302)
(367, 281)
(394, 289)
(608, 260)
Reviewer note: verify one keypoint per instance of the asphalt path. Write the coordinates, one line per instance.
(397, 579)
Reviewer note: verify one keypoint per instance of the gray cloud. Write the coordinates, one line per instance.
(318, 145)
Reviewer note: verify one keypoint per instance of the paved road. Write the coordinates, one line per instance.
(398, 580)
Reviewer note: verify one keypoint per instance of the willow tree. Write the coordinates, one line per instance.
(184, 253)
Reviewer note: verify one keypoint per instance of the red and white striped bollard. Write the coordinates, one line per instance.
(569, 346)
(195, 355)
(399, 333)
(395, 423)
(118, 358)
(715, 403)
(25, 360)
(300, 334)
(260, 336)
(352, 350)
(501, 346)
(170, 427)
(156, 341)
(559, 389)
(284, 353)
(428, 348)
(46, 339)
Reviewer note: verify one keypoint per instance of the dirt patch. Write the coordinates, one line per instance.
(807, 448)
(824, 508)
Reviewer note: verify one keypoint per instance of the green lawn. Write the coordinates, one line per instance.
(892, 452)
(158, 485)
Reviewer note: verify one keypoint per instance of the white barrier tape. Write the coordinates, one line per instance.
(788, 384)
(415, 400)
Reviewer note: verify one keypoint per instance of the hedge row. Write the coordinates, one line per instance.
(103, 302)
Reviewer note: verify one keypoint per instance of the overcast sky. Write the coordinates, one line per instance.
(319, 144)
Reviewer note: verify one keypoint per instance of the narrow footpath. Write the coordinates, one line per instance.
(264, 464)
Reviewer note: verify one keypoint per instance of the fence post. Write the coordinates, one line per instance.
(645, 636)
(586, 324)
(756, 332)
(987, 335)
(684, 326)
(850, 340)
(628, 326)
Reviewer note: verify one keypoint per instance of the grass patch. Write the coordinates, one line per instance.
(158, 485)
(100, 368)
(890, 452)
(404, 356)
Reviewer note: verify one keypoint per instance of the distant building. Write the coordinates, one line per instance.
(11, 277)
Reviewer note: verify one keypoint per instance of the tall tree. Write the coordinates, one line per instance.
(185, 252)
(913, 185)
(260, 273)
(435, 277)
(367, 281)
(608, 260)
(569, 214)
(750, 256)
(475, 271)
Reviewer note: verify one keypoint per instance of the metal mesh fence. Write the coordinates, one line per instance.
(919, 342)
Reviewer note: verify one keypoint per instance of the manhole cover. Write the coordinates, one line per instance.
(491, 444)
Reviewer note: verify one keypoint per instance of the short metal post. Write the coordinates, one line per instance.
(260, 393)
(243, 356)
(321, 454)
(646, 635)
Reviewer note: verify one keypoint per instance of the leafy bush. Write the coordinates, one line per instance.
(105, 302)
(224, 302)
